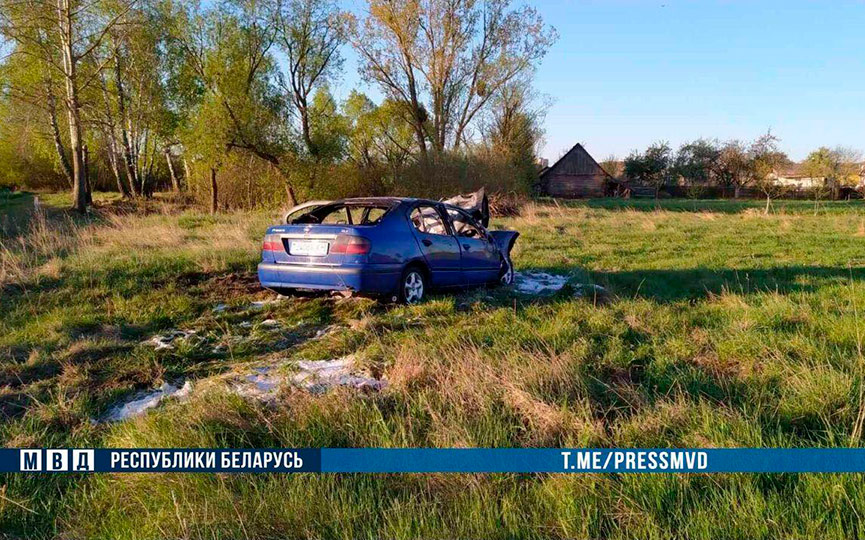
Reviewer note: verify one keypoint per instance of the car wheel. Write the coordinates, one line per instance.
(507, 272)
(412, 286)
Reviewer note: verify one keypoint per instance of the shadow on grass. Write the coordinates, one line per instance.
(697, 283)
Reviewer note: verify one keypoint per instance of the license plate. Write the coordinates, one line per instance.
(308, 248)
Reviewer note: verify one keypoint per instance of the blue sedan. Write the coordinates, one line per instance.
(393, 247)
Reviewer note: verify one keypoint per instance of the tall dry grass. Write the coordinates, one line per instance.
(43, 239)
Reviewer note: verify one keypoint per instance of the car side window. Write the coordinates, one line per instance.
(427, 219)
(464, 226)
(374, 215)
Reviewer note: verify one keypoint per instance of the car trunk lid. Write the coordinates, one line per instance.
(311, 245)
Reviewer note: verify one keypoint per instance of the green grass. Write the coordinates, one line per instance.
(723, 327)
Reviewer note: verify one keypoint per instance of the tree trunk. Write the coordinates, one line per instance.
(58, 140)
(305, 129)
(128, 158)
(186, 172)
(736, 191)
(174, 182)
(80, 195)
(86, 155)
(214, 194)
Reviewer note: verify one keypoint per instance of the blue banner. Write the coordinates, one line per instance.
(435, 460)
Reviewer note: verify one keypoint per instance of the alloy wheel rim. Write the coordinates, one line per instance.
(508, 276)
(413, 287)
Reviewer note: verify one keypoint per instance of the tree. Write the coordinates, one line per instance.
(66, 36)
(651, 167)
(137, 123)
(697, 161)
(446, 59)
(310, 35)
(229, 50)
(837, 166)
(514, 129)
(613, 166)
(766, 159)
(733, 167)
(378, 134)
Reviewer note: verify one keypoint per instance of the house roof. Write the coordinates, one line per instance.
(576, 148)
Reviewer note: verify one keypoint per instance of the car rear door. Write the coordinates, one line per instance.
(480, 259)
(439, 247)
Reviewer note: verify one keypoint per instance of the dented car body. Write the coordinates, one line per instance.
(396, 247)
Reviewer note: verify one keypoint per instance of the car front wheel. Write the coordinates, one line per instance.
(506, 276)
(412, 286)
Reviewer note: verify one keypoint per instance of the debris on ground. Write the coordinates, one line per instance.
(167, 340)
(326, 330)
(271, 324)
(259, 304)
(534, 282)
(140, 402)
(317, 377)
(220, 308)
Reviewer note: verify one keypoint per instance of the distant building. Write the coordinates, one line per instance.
(575, 175)
(794, 177)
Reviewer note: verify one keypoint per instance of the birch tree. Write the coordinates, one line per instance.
(66, 35)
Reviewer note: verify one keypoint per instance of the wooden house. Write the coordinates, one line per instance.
(576, 175)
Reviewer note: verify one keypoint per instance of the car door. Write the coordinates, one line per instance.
(480, 257)
(440, 248)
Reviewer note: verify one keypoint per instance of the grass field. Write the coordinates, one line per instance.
(723, 327)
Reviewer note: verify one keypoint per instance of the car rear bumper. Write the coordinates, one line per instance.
(377, 279)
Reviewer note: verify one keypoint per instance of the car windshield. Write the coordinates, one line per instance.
(345, 214)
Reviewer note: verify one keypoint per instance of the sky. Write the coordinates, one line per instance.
(624, 74)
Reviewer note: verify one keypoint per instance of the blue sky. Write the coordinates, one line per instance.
(626, 73)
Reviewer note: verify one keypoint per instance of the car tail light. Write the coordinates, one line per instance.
(272, 242)
(351, 245)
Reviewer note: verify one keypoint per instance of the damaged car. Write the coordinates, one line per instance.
(394, 247)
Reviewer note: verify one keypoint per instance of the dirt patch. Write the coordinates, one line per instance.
(233, 285)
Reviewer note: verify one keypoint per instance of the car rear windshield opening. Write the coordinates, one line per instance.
(345, 214)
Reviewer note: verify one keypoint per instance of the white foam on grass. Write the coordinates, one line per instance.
(321, 375)
(140, 402)
(166, 341)
(534, 282)
(316, 377)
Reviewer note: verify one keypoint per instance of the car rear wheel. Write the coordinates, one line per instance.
(412, 286)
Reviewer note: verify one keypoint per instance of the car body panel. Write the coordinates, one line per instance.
(393, 242)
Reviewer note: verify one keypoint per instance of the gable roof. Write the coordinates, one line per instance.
(577, 153)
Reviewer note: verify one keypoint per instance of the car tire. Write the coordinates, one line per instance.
(506, 274)
(412, 285)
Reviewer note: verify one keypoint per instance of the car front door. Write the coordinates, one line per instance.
(480, 257)
(440, 248)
